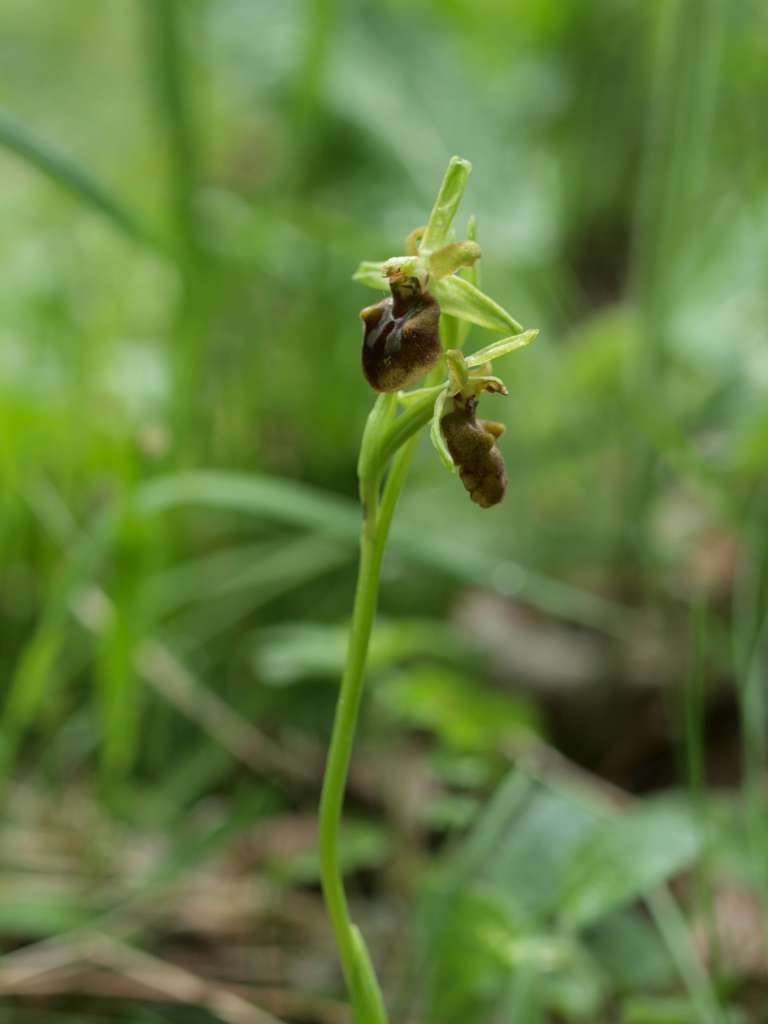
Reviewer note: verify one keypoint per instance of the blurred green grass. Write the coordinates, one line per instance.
(187, 188)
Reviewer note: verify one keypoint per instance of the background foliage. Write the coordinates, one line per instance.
(558, 808)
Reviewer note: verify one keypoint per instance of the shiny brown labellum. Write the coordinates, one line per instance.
(472, 444)
(401, 341)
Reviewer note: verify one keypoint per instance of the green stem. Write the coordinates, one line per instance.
(168, 24)
(361, 980)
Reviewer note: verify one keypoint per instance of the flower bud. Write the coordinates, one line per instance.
(401, 341)
(472, 444)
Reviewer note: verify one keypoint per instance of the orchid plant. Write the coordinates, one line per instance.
(418, 329)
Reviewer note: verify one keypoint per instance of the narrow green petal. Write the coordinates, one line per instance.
(410, 398)
(497, 349)
(493, 384)
(457, 369)
(472, 273)
(460, 298)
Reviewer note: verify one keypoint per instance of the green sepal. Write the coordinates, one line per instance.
(448, 198)
(493, 384)
(436, 431)
(410, 398)
(461, 299)
(457, 370)
(472, 273)
(497, 349)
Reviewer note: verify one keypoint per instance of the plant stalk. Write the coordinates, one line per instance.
(364, 989)
(171, 80)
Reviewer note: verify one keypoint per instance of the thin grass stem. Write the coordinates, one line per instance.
(75, 179)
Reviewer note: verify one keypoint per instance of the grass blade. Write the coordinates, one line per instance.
(73, 178)
(289, 501)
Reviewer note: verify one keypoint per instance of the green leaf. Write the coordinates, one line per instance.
(271, 498)
(460, 939)
(460, 298)
(38, 908)
(497, 349)
(382, 412)
(446, 204)
(300, 505)
(626, 857)
(370, 273)
(263, 570)
(436, 432)
(660, 1010)
(291, 652)
(462, 712)
(529, 845)
(578, 988)
(631, 951)
(40, 668)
